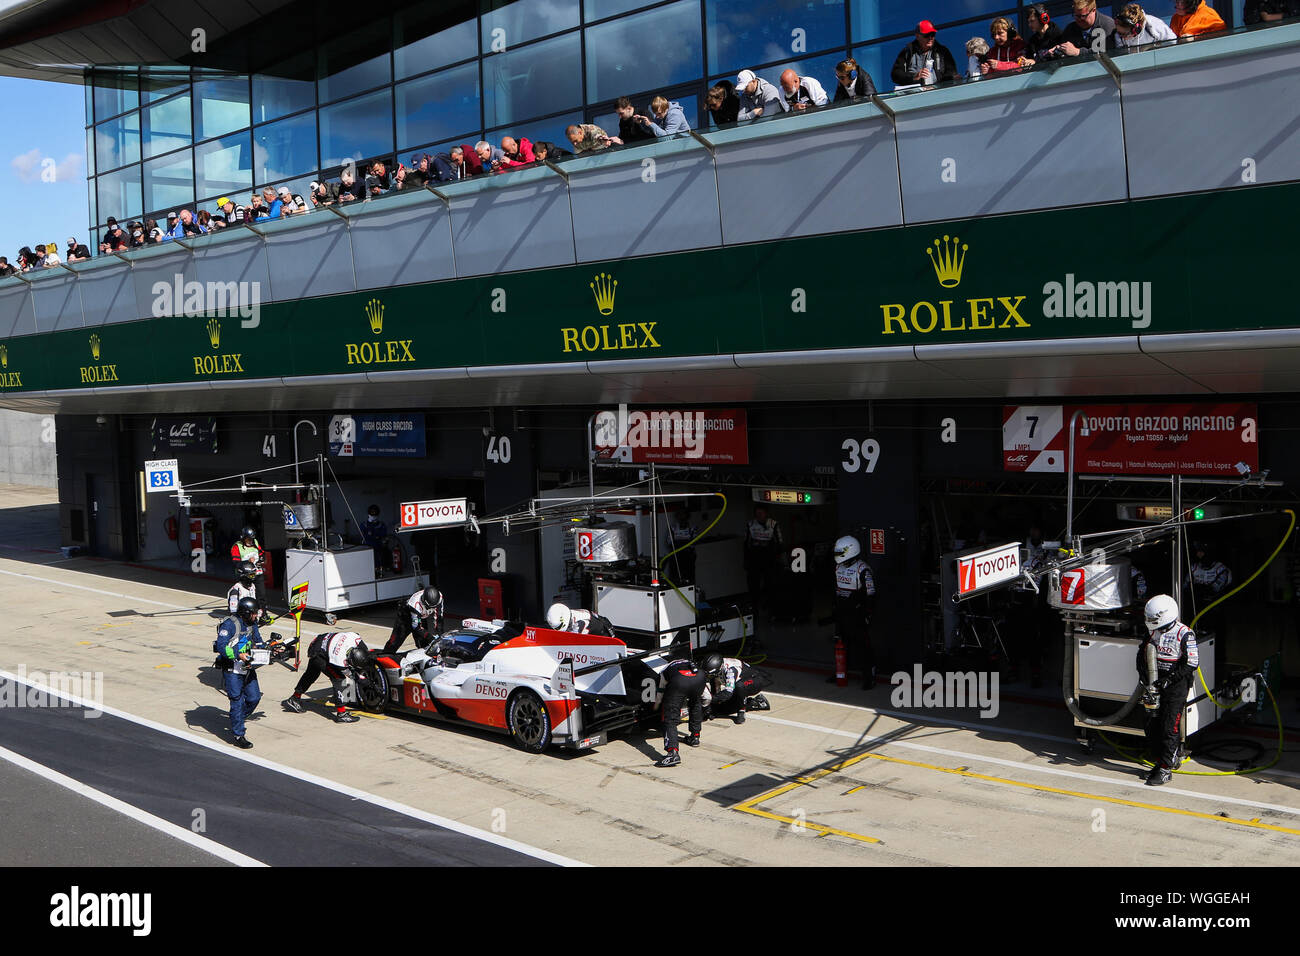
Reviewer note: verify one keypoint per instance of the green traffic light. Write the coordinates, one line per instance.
(1198, 514)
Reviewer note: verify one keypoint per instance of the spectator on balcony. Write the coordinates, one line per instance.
(378, 180)
(1194, 17)
(924, 61)
(418, 176)
(1008, 50)
(349, 189)
(489, 156)
(723, 103)
(52, 256)
(136, 239)
(585, 138)
(546, 151)
(450, 167)
(6, 270)
(1044, 35)
(1089, 30)
(669, 118)
(631, 127)
(1269, 11)
(186, 226)
(154, 236)
(852, 81)
(801, 92)
(76, 251)
(757, 96)
(516, 152)
(25, 259)
(116, 237)
(324, 194)
(1135, 27)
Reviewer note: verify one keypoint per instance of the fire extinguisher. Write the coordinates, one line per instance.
(397, 557)
(172, 528)
(841, 664)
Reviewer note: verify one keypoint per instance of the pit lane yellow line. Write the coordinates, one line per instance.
(751, 805)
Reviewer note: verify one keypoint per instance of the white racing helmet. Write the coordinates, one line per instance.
(846, 549)
(1161, 611)
(558, 617)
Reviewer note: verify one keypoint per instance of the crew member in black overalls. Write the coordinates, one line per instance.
(686, 681)
(763, 545)
(1177, 660)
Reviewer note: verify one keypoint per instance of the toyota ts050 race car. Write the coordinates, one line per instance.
(539, 686)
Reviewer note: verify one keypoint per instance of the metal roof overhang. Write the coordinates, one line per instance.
(1205, 364)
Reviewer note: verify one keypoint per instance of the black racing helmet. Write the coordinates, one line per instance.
(431, 598)
(247, 609)
(359, 656)
(247, 533)
(712, 663)
(245, 570)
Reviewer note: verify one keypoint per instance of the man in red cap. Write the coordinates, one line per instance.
(924, 61)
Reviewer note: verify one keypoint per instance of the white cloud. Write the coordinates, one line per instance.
(30, 167)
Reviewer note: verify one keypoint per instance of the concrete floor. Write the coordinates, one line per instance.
(829, 776)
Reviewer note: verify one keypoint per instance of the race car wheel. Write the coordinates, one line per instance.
(528, 721)
(372, 689)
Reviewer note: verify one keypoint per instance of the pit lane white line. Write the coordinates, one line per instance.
(378, 801)
(127, 810)
(982, 727)
(887, 741)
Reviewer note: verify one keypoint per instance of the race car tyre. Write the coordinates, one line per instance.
(528, 721)
(372, 690)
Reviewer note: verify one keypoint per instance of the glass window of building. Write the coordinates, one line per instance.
(90, 152)
(90, 98)
(878, 60)
(284, 88)
(744, 35)
(169, 182)
(220, 106)
(117, 142)
(870, 19)
(167, 126)
(654, 49)
(508, 23)
(159, 83)
(119, 193)
(224, 166)
(820, 68)
(593, 10)
(690, 107)
(425, 39)
(285, 149)
(360, 128)
(115, 93)
(357, 60)
(442, 106)
(531, 81)
(91, 201)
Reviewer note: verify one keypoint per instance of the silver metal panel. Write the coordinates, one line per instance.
(57, 303)
(778, 188)
(107, 295)
(155, 278)
(1041, 147)
(1211, 125)
(636, 210)
(243, 262)
(525, 226)
(311, 260)
(16, 316)
(403, 246)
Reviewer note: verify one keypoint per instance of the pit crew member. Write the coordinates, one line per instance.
(420, 617)
(560, 617)
(334, 654)
(1176, 662)
(237, 635)
(685, 683)
(736, 687)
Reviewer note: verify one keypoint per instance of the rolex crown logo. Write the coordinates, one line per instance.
(947, 260)
(214, 333)
(4, 356)
(604, 287)
(375, 313)
(94, 347)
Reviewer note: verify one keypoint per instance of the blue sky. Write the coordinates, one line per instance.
(43, 121)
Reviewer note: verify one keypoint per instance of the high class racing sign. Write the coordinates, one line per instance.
(1202, 439)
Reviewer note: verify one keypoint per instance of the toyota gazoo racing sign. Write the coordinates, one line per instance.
(985, 569)
(444, 513)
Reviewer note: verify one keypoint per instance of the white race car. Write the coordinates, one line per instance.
(538, 685)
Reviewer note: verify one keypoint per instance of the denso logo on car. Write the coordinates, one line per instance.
(489, 690)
